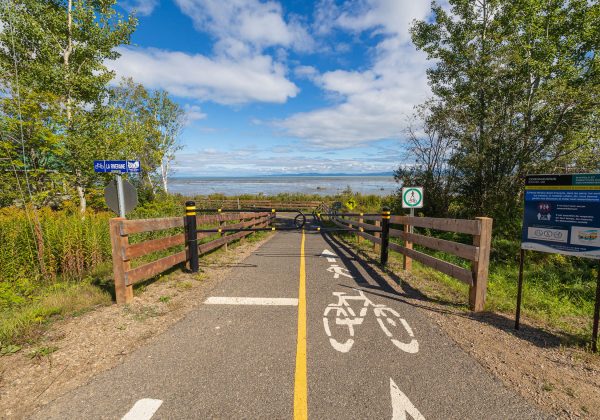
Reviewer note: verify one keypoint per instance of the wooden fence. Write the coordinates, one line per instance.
(123, 252)
(478, 253)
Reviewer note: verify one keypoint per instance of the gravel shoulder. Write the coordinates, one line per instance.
(75, 350)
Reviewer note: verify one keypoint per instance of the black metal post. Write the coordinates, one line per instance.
(385, 234)
(520, 289)
(596, 314)
(191, 235)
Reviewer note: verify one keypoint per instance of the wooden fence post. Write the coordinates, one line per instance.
(360, 228)
(222, 225)
(480, 268)
(407, 261)
(123, 292)
(385, 235)
(376, 246)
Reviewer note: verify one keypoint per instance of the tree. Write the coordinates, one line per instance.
(518, 85)
(169, 118)
(59, 48)
(150, 123)
(428, 154)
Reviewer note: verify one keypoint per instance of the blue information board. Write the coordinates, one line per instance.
(562, 214)
(117, 166)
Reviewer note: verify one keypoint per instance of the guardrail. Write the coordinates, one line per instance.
(123, 252)
(478, 253)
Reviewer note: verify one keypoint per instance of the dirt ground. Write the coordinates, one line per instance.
(74, 350)
(561, 381)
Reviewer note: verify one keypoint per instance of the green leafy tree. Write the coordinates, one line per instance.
(150, 123)
(59, 48)
(428, 155)
(518, 85)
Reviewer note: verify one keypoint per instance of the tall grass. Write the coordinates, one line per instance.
(63, 245)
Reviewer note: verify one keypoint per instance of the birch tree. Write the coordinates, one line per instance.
(61, 47)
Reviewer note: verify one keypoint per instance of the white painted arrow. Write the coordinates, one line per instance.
(401, 405)
(329, 255)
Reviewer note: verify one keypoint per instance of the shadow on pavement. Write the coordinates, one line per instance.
(537, 336)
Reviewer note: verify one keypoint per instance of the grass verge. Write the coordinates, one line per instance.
(26, 322)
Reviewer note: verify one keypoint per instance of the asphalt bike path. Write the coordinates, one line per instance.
(301, 328)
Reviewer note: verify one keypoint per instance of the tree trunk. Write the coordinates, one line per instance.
(164, 170)
(151, 184)
(66, 55)
(82, 200)
(80, 192)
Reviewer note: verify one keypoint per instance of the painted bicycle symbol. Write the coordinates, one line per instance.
(394, 327)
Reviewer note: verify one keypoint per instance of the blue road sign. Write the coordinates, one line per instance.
(117, 166)
(562, 214)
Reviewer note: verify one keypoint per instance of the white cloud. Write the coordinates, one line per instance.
(193, 113)
(250, 161)
(305, 72)
(252, 22)
(371, 104)
(220, 79)
(141, 7)
(391, 17)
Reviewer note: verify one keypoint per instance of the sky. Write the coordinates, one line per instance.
(282, 87)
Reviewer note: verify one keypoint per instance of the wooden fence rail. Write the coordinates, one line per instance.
(123, 252)
(478, 253)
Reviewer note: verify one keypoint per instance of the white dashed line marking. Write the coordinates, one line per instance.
(144, 409)
(218, 300)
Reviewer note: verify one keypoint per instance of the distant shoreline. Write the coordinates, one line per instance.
(340, 175)
(321, 185)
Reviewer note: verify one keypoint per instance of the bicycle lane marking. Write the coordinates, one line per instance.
(350, 310)
(389, 320)
(300, 377)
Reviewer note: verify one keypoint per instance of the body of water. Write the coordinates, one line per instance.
(271, 185)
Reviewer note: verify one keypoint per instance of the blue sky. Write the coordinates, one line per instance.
(273, 87)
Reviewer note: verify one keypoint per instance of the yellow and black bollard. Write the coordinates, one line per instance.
(191, 235)
(385, 234)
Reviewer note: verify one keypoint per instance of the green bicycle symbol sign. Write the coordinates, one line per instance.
(412, 197)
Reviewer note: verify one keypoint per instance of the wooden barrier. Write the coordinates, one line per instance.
(478, 253)
(123, 252)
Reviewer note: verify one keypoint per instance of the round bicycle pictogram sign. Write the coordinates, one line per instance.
(412, 197)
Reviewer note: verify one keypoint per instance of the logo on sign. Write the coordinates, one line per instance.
(545, 234)
(133, 165)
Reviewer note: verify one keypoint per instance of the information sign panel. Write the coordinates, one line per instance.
(562, 214)
(117, 166)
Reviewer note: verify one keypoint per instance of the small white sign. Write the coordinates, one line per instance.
(412, 197)
(545, 234)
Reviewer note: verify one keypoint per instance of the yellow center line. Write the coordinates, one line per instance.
(300, 383)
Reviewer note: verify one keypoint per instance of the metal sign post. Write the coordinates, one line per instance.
(596, 314)
(120, 196)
